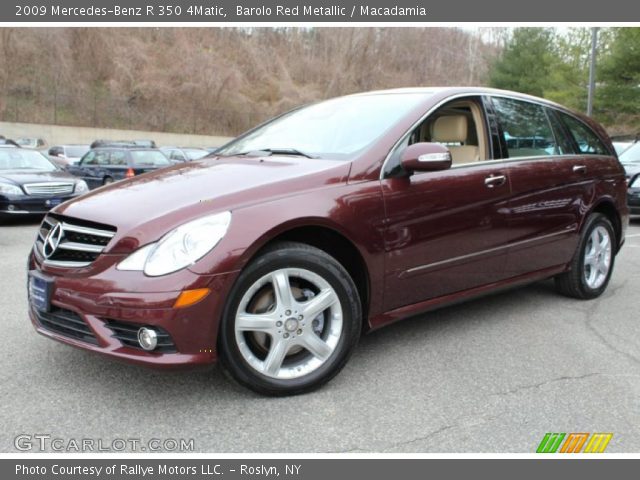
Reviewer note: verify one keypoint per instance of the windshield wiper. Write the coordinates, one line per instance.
(279, 151)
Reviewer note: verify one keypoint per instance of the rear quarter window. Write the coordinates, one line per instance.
(586, 140)
(525, 128)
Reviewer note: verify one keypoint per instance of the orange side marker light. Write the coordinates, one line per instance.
(190, 297)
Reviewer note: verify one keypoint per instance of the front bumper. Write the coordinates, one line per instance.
(114, 296)
(30, 205)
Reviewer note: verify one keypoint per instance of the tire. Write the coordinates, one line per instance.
(586, 278)
(267, 337)
(107, 181)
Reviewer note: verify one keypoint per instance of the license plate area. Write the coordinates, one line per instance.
(40, 290)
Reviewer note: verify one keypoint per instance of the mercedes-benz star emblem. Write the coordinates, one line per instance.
(54, 237)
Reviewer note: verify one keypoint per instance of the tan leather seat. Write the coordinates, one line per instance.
(453, 129)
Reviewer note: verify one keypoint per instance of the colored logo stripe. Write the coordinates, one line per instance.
(550, 443)
(574, 442)
(598, 442)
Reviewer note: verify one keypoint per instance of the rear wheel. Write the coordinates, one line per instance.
(593, 261)
(291, 322)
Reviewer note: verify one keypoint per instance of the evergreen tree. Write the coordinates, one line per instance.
(526, 62)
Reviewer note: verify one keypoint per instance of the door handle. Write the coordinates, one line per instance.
(580, 169)
(495, 181)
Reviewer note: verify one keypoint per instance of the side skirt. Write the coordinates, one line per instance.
(458, 297)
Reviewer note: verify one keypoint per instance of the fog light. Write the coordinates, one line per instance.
(147, 338)
(11, 208)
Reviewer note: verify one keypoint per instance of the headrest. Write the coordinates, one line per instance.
(451, 128)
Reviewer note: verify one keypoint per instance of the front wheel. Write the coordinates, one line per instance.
(292, 320)
(592, 264)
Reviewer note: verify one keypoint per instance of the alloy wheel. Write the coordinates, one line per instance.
(288, 323)
(597, 257)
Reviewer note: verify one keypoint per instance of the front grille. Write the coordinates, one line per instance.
(78, 243)
(49, 188)
(67, 323)
(127, 333)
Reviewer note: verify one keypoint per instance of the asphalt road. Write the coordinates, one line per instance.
(491, 375)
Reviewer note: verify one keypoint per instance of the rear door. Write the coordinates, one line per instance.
(118, 164)
(444, 229)
(548, 186)
(91, 167)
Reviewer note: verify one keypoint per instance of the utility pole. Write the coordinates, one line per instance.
(592, 70)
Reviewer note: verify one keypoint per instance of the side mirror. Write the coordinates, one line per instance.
(425, 157)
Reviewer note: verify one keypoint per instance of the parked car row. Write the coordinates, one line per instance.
(105, 161)
(33, 179)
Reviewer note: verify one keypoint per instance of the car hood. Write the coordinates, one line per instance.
(20, 177)
(146, 207)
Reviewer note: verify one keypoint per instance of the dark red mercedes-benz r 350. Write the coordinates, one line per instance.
(276, 252)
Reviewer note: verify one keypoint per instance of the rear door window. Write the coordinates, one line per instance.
(101, 158)
(525, 128)
(118, 158)
(586, 140)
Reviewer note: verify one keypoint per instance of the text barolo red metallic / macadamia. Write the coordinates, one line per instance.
(331, 11)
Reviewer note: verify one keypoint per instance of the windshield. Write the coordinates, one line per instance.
(76, 152)
(149, 157)
(18, 159)
(631, 154)
(337, 128)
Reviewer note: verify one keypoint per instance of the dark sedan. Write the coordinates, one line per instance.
(31, 184)
(102, 166)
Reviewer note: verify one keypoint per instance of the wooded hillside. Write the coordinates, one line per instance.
(225, 80)
(219, 80)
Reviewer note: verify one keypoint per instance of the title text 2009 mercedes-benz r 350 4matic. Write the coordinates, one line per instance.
(276, 252)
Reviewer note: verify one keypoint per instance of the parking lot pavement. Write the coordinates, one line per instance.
(491, 375)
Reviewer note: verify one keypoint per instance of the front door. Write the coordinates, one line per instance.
(445, 229)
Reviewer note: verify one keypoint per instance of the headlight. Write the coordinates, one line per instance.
(179, 248)
(10, 189)
(81, 187)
